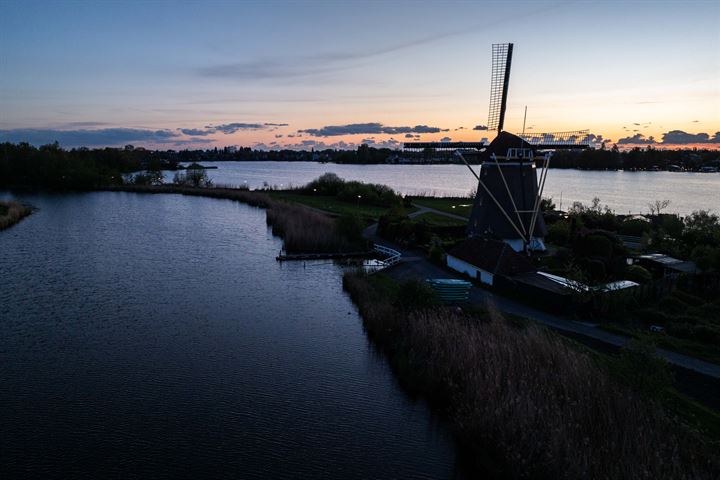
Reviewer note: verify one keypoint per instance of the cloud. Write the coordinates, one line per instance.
(368, 141)
(446, 139)
(680, 137)
(480, 127)
(369, 128)
(196, 132)
(84, 124)
(637, 139)
(279, 135)
(409, 135)
(696, 121)
(276, 124)
(228, 128)
(82, 137)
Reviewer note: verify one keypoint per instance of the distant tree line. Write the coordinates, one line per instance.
(636, 159)
(51, 166)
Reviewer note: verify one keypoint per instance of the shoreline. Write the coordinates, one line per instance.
(11, 213)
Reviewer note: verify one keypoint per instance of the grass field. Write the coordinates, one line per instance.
(436, 220)
(455, 205)
(703, 351)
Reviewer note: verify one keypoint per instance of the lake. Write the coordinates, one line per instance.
(622, 191)
(155, 336)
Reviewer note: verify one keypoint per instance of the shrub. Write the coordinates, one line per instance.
(688, 298)
(640, 368)
(350, 227)
(596, 270)
(652, 316)
(635, 227)
(330, 184)
(672, 305)
(559, 232)
(594, 246)
(414, 295)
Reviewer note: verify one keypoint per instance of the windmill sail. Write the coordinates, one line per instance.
(578, 139)
(499, 81)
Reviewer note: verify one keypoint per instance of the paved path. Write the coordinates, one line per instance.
(414, 265)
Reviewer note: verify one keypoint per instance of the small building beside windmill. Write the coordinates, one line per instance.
(485, 259)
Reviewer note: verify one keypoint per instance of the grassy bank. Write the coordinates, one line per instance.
(11, 213)
(522, 399)
(303, 230)
(330, 205)
(456, 205)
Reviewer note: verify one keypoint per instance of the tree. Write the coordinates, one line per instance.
(658, 206)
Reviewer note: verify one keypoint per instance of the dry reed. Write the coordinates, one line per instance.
(11, 213)
(524, 402)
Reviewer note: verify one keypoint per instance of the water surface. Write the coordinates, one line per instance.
(622, 191)
(155, 336)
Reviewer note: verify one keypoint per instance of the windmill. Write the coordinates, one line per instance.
(507, 203)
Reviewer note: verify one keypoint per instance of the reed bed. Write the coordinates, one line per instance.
(524, 404)
(11, 213)
(303, 229)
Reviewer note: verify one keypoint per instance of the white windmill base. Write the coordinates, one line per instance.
(537, 244)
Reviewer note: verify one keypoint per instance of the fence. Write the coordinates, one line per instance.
(391, 256)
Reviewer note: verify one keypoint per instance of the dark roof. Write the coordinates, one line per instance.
(535, 280)
(504, 141)
(492, 256)
(670, 263)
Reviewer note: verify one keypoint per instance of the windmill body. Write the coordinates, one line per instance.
(505, 206)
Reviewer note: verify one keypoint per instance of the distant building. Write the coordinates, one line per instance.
(662, 265)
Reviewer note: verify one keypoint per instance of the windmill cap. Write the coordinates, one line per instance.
(505, 141)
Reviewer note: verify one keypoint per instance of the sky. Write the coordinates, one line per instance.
(317, 74)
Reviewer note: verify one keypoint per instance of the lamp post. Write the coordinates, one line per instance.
(358, 201)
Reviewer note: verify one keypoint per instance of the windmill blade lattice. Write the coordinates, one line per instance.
(499, 81)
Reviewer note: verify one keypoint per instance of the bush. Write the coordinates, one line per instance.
(596, 270)
(641, 369)
(651, 316)
(330, 184)
(594, 246)
(415, 295)
(672, 305)
(638, 274)
(559, 232)
(688, 298)
(635, 227)
(436, 253)
(350, 227)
